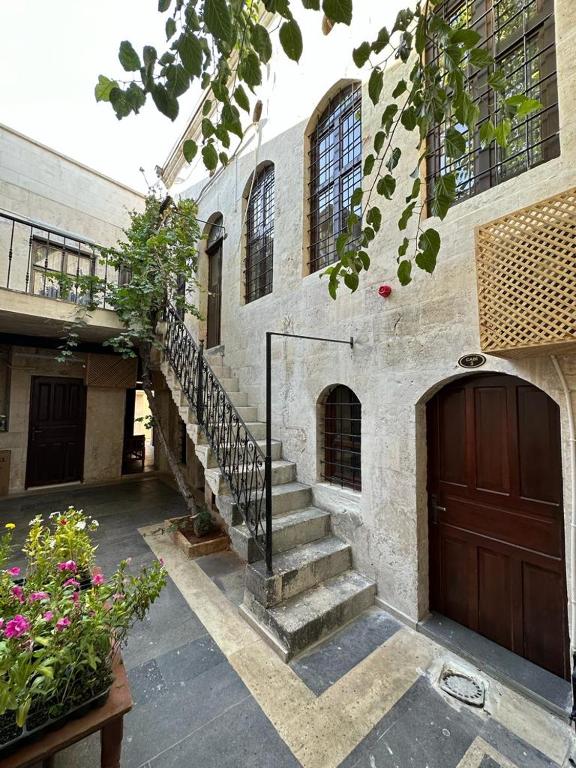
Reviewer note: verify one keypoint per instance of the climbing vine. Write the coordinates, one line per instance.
(226, 44)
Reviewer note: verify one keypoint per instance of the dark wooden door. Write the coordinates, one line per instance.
(56, 433)
(214, 294)
(496, 520)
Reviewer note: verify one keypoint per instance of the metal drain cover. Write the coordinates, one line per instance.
(463, 686)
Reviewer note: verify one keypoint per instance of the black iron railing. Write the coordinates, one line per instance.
(240, 458)
(48, 262)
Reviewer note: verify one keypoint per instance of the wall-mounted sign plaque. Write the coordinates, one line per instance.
(471, 361)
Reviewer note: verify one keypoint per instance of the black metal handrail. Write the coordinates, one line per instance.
(49, 262)
(240, 458)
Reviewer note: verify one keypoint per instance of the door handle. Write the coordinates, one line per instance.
(436, 508)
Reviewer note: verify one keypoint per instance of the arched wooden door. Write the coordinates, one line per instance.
(495, 511)
(214, 309)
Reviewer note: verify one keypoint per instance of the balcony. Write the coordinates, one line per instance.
(43, 283)
(526, 271)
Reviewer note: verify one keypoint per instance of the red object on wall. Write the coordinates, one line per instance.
(385, 291)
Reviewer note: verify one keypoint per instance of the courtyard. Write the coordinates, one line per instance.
(208, 691)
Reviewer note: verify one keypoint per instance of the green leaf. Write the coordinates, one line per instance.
(403, 20)
(224, 159)
(523, 105)
(249, 69)
(487, 133)
(163, 5)
(356, 198)
(128, 57)
(135, 96)
(351, 280)
(426, 261)
(369, 165)
(339, 11)
(210, 157)
(394, 158)
(218, 19)
(365, 259)
(405, 272)
(149, 55)
(444, 195)
(374, 218)
(241, 98)
(312, 5)
(103, 88)
(409, 119)
(170, 28)
(381, 41)
(190, 51)
(466, 37)
(291, 39)
(401, 86)
(415, 190)
(502, 132)
(388, 116)
(165, 102)
(341, 243)
(454, 143)
(177, 79)
(406, 216)
(231, 120)
(429, 241)
(206, 109)
(189, 148)
(261, 42)
(375, 84)
(361, 54)
(403, 248)
(379, 140)
(497, 80)
(386, 186)
(208, 128)
(480, 57)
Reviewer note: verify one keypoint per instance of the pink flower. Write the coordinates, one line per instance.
(117, 596)
(13, 571)
(71, 583)
(69, 565)
(162, 561)
(62, 521)
(385, 291)
(1, 623)
(62, 623)
(74, 597)
(97, 580)
(38, 596)
(48, 616)
(17, 626)
(18, 593)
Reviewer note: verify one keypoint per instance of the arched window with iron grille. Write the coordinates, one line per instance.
(260, 236)
(335, 172)
(340, 438)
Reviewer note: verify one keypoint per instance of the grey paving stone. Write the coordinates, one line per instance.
(242, 737)
(190, 660)
(514, 748)
(329, 661)
(488, 762)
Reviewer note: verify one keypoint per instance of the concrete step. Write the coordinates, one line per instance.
(288, 531)
(283, 474)
(248, 412)
(298, 569)
(211, 462)
(230, 383)
(221, 371)
(238, 398)
(306, 618)
(257, 429)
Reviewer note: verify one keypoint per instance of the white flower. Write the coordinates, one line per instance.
(80, 525)
(52, 543)
(95, 523)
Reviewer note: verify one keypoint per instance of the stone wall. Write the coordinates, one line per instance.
(405, 347)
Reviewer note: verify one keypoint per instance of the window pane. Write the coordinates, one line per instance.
(260, 236)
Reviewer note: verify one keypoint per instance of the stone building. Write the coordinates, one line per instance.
(399, 472)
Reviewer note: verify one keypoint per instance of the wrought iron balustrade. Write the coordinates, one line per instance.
(240, 458)
(48, 262)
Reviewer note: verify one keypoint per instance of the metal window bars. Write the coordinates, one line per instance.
(48, 262)
(260, 236)
(520, 35)
(341, 439)
(239, 457)
(335, 172)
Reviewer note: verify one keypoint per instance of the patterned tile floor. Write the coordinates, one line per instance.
(209, 693)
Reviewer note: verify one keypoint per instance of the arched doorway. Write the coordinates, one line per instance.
(496, 530)
(214, 245)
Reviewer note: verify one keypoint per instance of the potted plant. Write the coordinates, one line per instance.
(197, 535)
(57, 641)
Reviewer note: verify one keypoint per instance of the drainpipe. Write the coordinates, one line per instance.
(572, 441)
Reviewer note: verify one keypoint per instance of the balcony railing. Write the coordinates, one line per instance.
(49, 262)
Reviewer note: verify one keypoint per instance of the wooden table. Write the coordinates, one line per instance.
(108, 719)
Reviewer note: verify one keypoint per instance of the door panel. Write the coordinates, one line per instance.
(496, 519)
(56, 431)
(214, 295)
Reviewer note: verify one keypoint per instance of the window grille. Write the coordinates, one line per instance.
(520, 35)
(260, 236)
(341, 438)
(57, 269)
(335, 172)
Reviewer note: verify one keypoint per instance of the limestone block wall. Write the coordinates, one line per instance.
(41, 184)
(405, 347)
(104, 416)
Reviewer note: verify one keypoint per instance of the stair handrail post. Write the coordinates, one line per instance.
(268, 457)
(200, 385)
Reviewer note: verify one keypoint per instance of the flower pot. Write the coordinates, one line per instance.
(39, 721)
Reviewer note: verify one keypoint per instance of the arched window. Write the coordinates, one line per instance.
(214, 243)
(341, 438)
(335, 172)
(260, 235)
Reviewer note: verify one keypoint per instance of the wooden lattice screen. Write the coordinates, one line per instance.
(111, 371)
(526, 269)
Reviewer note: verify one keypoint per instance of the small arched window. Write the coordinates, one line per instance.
(260, 235)
(335, 172)
(341, 439)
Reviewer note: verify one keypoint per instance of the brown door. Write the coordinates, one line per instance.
(214, 294)
(496, 520)
(56, 434)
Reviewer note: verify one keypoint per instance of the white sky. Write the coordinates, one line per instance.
(51, 53)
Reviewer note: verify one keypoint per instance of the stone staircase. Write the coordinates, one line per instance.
(314, 589)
